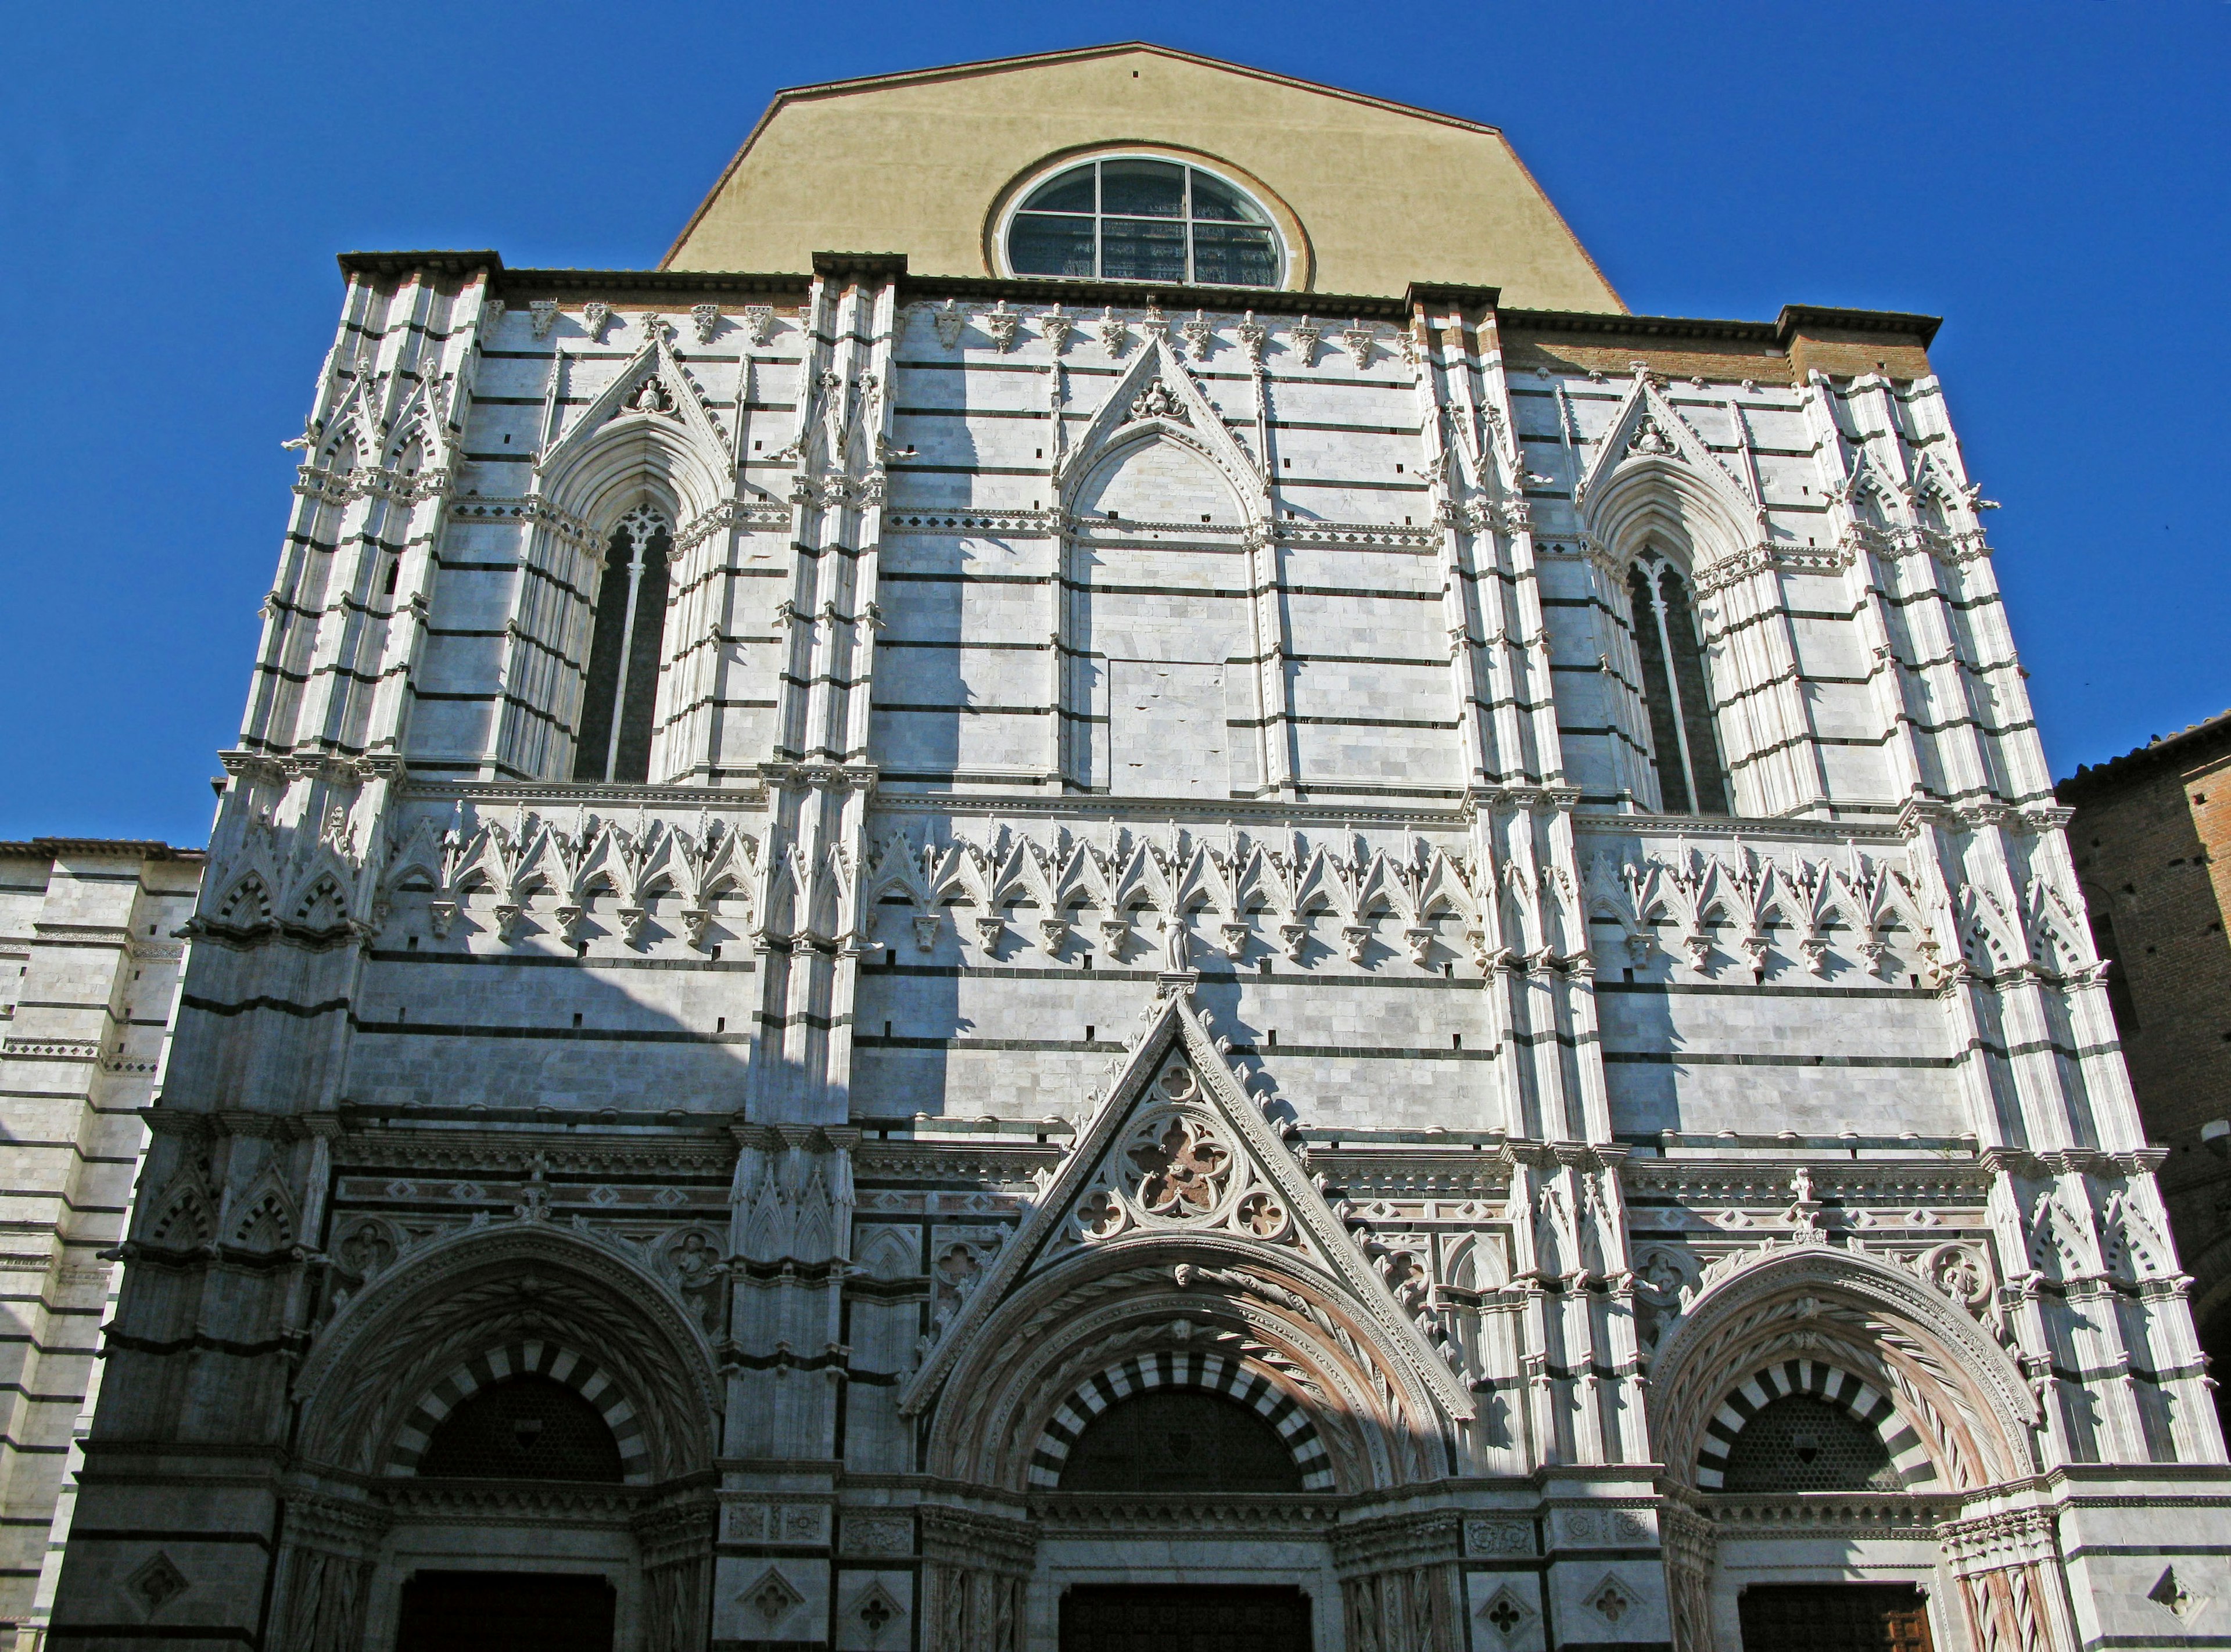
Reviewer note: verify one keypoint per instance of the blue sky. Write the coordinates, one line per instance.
(174, 182)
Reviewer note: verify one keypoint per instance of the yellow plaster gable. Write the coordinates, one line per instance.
(1386, 195)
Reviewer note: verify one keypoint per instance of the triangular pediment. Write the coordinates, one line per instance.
(652, 389)
(1177, 1158)
(1156, 397)
(1649, 430)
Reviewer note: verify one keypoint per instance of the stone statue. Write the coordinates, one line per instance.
(1176, 945)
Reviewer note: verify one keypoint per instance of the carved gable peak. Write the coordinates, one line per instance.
(1156, 393)
(653, 384)
(1648, 427)
(1178, 1162)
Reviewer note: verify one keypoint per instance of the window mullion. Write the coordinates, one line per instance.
(1185, 204)
(1657, 583)
(637, 542)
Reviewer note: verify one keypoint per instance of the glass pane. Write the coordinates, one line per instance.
(1220, 201)
(1042, 245)
(1070, 192)
(1226, 255)
(1141, 249)
(1142, 188)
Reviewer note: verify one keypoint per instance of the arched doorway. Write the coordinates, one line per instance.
(1825, 1417)
(1200, 1444)
(504, 1432)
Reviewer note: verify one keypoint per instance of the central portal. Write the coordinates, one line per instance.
(1154, 1617)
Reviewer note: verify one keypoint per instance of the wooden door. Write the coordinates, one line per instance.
(506, 1611)
(1151, 1617)
(1834, 1617)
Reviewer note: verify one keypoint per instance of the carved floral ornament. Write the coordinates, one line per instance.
(1298, 892)
(1196, 337)
(1173, 1172)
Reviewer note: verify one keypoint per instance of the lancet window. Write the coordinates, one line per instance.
(1691, 778)
(624, 651)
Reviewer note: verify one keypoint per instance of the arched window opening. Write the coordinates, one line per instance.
(624, 651)
(1133, 219)
(527, 1428)
(1691, 779)
(1180, 1441)
(1798, 1443)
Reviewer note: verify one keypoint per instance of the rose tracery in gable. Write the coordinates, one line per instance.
(1175, 1171)
(1184, 1170)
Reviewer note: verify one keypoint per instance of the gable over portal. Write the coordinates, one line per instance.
(1374, 195)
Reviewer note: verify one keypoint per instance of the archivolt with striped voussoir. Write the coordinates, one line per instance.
(1193, 1373)
(533, 1358)
(1864, 1404)
(1855, 1330)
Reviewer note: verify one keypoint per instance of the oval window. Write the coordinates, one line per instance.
(1135, 219)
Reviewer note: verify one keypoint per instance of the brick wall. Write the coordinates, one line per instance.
(2152, 840)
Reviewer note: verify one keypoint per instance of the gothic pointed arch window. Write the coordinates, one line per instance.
(624, 650)
(1691, 777)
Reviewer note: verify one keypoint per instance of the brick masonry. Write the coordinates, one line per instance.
(2152, 839)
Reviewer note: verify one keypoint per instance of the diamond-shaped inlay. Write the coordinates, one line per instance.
(774, 1598)
(1610, 1599)
(2171, 1591)
(877, 1612)
(1505, 1613)
(156, 1584)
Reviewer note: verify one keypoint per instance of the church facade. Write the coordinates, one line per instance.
(1117, 869)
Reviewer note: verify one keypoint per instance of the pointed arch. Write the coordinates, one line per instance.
(647, 439)
(245, 905)
(626, 443)
(1160, 504)
(1661, 514)
(265, 1220)
(1684, 741)
(186, 1214)
(627, 648)
(1262, 1275)
(1654, 479)
(1155, 398)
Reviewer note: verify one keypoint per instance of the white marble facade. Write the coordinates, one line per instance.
(90, 966)
(1078, 722)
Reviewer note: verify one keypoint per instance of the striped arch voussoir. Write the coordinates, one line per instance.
(1864, 1404)
(1201, 1373)
(524, 1359)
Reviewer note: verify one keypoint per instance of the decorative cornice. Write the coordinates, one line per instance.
(1076, 1514)
(126, 849)
(491, 508)
(561, 1501)
(1807, 1515)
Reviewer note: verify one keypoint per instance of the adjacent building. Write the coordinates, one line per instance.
(90, 960)
(2152, 833)
(1117, 868)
